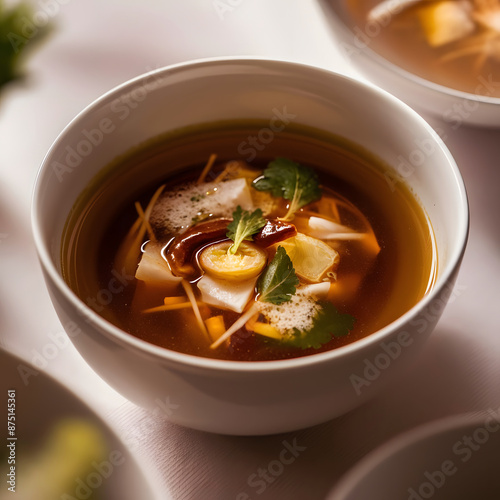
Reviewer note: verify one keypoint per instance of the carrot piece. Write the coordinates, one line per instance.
(173, 300)
(262, 328)
(215, 326)
(168, 307)
(235, 326)
(266, 330)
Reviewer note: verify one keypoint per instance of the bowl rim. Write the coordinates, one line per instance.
(370, 53)
(402, 442)
(197, 362)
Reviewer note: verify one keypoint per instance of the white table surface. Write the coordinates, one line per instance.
(101, 43)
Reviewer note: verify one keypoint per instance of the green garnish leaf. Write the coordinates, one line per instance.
(328, 323)
(278, 281)
(14, 41)
(289, 180)
(244, 225)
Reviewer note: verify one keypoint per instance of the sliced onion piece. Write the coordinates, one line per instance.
(246, 263)
(312, 258)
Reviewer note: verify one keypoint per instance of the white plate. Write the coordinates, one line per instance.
(32, 405)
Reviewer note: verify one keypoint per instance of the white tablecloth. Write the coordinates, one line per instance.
(101, 43)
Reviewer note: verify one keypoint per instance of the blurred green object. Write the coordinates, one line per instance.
(71, 461)
(19, 33)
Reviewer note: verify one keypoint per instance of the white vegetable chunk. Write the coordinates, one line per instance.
(386, 10)
(446, 22)
(312, 258)
(318, 290)
(328, 230)
(232, 295)
(153, 268)
(176, 209)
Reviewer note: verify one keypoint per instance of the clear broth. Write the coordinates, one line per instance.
(395, 281)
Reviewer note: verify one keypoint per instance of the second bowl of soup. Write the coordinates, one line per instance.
(440, 56)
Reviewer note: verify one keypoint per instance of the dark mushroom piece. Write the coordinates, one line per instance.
(180, 253)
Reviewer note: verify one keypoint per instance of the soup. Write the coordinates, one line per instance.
(209, 243)
(455, 43)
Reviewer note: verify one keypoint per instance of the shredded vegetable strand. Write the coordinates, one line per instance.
(206, 169)
(251, 322)
(170, 307)
(239, 323)
(222, 175)
(335, 210)
(189, 292)
(136, 225)
(152, 202)
(230, 168)
(146, 222)
(129, 251)
(131, 247)
(476, 45)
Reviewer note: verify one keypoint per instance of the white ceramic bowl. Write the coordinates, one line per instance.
(36, 405)
(452, 458)
(262, 397)
(453, 106)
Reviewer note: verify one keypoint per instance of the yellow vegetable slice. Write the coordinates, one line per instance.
(312, 258)
(246, 263)
(445, 22)
(265, 329)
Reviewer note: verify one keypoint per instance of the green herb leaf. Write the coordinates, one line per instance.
(328, 323)
(244, 225)
(289, 180)
(278, 282)
(13, 45)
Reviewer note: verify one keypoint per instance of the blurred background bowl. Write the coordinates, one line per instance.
(59, 446)
(451, 105)
(452, 458)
